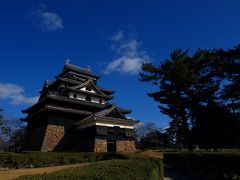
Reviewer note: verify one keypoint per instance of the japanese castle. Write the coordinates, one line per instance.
(74, 114)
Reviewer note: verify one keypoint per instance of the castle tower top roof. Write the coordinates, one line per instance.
(77, 69)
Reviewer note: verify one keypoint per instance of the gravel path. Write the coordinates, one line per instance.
(14, 173)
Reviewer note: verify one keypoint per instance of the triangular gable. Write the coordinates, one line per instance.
(81, 85)
(111, 112)
(85, 84)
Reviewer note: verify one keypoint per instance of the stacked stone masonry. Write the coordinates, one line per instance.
(54, 134)
(126, 146)
(100, 145)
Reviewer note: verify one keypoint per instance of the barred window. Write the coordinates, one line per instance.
(102, 130)
(129, 133)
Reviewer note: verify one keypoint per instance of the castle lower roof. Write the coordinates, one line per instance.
(105, 121)
(65, 100)
(57, 109)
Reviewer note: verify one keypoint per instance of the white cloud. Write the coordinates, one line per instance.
(125, 64)
(47, 21)
(14, 93)
(117, 36)
(50, 21)
(129, 57)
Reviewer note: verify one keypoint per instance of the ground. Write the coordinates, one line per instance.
(14, 173)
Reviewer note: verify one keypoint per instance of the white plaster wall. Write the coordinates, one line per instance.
(81, 96)
(103, 101)
(88, 124)
(84, 89)
(71, 95)
(95, 99)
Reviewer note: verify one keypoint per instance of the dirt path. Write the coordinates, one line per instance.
(14, 173)
(153, 153)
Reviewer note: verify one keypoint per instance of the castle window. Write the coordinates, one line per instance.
(88, 97)
(102, 130)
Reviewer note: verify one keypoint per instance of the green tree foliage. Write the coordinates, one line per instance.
(180, 85)
(189, 87)
(174, 78)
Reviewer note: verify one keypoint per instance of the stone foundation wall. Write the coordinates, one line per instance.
(55, 138)
(100, 145)
(56, 135)
(125, 146)
(53, 135)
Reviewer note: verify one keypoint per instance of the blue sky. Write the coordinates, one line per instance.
(112, 37)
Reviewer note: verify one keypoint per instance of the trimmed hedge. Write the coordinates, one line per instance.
(215, 165)
(136, 168)
(41, 159)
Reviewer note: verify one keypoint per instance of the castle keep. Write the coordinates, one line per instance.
(74, 114)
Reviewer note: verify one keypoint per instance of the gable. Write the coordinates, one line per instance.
(115, 114)
(88, 86)
(111, 112)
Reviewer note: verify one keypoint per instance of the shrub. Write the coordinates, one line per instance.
(135, 168)
(40, 159)
(215, 165)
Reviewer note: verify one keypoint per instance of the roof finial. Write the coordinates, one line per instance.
(46, 83)
(67, 61)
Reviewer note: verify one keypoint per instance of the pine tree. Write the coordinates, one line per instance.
(186, 83)
(175, 78)
(231, 91)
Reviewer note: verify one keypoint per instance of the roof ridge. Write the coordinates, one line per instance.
(78, 69)
(68, 65)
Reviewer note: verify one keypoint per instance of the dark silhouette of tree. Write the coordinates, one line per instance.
(1, 124)
(12, 134)
(150, 136)
(171, 77)
(176, 78)
(142, 129)
(4, 131)
(154, 139)
(215, 127)
(231, 91)
(16, 140)
(189, 88)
